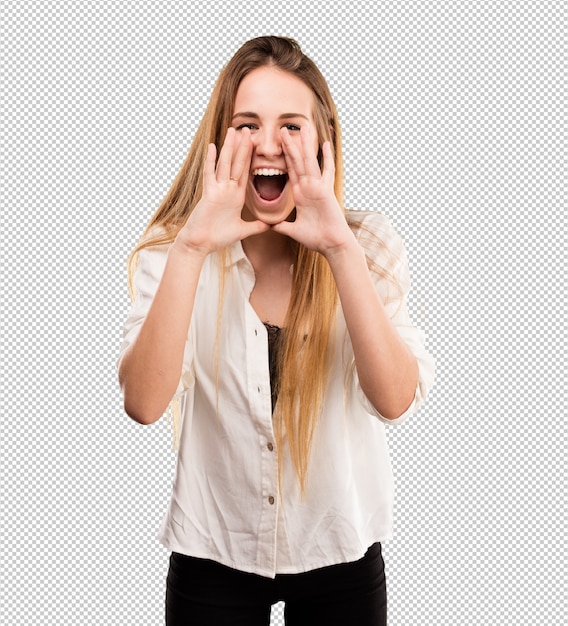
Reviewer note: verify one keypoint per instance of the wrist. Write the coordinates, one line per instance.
(190, 250)
(343, 250)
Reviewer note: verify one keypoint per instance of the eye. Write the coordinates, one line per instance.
(246, 125)
(292, 127)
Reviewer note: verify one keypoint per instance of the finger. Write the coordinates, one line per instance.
(249, 229)
(240, 167)
(226, 156)
(285, 228)
(309, 148)
(291, 155)
(328, 173)
(209, 166)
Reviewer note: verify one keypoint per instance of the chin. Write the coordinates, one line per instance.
(271, 218)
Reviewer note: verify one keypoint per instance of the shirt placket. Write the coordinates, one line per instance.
(259, 394)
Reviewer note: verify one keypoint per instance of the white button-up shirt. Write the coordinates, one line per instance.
(226, 504)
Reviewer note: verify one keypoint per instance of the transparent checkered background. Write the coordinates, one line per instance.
(452, 126)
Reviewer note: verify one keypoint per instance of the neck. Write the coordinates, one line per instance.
(268, 250)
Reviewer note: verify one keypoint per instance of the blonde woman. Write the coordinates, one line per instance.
(274, 324)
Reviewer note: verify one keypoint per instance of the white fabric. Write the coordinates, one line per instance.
(225, 503)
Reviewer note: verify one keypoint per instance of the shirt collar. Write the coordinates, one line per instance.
(236, 254)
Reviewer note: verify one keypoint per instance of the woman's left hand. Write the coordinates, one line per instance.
(320, 223)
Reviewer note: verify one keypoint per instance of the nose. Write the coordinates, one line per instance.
(267, 142)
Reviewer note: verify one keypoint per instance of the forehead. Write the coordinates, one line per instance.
(271, 89)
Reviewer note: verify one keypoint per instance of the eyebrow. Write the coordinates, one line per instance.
(284, 116)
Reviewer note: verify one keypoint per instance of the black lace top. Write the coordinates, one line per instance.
(274, 333)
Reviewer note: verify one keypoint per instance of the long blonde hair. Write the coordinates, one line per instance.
(303, 363)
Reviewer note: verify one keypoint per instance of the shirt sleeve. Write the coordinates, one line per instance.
(151, 264)
(386, 253)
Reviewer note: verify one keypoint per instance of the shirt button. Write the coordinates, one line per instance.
(270, 447)
(271, 499)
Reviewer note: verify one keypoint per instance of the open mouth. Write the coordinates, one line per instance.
(269, 183)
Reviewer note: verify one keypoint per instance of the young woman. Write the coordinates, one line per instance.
(275, 324)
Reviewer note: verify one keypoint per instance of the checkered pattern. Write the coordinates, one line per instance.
(452, 126)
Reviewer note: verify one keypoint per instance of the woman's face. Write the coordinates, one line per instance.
(267, 100)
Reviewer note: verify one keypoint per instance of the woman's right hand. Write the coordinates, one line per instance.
(216, 220)
(150, 369)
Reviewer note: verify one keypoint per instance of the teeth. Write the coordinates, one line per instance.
(268, 172)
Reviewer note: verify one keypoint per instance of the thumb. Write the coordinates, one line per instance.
(248, 229)
(284, 228)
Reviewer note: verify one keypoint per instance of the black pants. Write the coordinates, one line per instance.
(201, 592)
